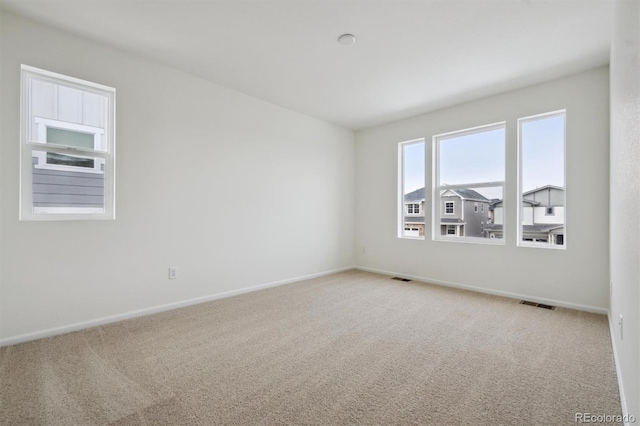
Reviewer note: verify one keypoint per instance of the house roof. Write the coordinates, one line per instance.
(533, 203)
(451, 221)
(542, 188)
(414, 219)
(417, 195)
(469, 194)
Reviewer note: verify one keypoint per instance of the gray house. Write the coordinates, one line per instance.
(463, 213)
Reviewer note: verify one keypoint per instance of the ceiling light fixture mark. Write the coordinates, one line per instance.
(347, 39)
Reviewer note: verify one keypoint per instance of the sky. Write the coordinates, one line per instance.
(480, 157)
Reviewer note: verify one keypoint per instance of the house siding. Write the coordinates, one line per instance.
(473, 219)
(55, 188)
(547, 197)
(456, 207)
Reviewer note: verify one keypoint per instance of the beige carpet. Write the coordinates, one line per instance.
(351, 348)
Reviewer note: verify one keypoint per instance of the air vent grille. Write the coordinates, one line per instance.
(537, 305)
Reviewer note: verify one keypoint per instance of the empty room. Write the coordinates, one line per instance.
(314, 212)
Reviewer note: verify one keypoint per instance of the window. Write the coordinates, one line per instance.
(411, 188)
(413, 208)
(67, 168)
(448, 207)
(542, 194)
(469, 172)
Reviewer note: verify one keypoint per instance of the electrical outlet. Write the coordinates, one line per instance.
(173, 272)
(620, 324)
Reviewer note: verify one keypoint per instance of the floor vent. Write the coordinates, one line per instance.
(538, 305)
(400, 279)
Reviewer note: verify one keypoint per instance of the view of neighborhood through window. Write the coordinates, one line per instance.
(542, 180)
(412, 181)
(469, 176)
(67, 146)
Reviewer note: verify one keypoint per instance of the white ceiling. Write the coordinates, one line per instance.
(410, 57)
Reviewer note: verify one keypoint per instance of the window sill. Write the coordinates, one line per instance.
(471, 240)
(542, 245)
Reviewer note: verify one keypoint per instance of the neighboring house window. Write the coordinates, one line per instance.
(451, 230)
(541, 153)
(470, 167)
(482, 207)
(67, 147)
(411, 184)
(448, 207)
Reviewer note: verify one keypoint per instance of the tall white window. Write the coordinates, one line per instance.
(541, 190)
(67, 156)
(411, 189)
(468, 176)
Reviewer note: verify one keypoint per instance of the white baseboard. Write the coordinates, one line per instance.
(155, 309)
(623, 401)
(510, 295)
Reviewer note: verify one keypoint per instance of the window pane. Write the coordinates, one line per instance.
(543, 188)
(70, 138)
(476, 157)
(70, 160)
(413, 181)
(64, 191)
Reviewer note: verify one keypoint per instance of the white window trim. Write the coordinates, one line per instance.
(414, 207)
(107, 154)
(520, 211)
(400, 202)
(453, 207)
(437, 187)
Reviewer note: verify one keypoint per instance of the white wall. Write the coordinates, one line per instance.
(494, 268)
(625, 196)
(233, 190)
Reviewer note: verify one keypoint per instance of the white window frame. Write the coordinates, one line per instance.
(446, 207)
(413, 208)
(520, 211)
(104, 151)
(400, 203)
(438, 187)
